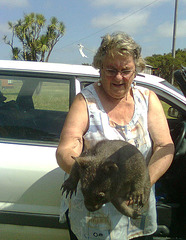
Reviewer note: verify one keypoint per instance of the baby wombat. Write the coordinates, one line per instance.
(112, 171)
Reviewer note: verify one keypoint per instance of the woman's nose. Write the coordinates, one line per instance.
(119, 76)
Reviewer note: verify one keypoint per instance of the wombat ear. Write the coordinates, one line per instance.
(109, 167)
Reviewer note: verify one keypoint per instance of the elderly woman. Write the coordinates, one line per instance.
(115, 108)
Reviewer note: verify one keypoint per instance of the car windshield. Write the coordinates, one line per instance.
(33, 108)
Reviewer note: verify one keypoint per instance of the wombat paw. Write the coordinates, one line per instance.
(68, 188)
(136, 198)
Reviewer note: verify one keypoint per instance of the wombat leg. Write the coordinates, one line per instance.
(70, 185)
(122, 207)
(140, 195)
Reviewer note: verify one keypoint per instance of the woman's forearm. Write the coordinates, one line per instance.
(160, 161)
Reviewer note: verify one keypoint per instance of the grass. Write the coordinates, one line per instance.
(49, 96)
(52, 97)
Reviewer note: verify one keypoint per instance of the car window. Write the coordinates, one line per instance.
(33, 109)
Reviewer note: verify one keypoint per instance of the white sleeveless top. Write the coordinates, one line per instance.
(107, 223)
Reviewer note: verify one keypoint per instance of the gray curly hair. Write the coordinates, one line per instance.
(118, 43)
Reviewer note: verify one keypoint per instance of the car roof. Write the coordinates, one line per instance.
(41, 67)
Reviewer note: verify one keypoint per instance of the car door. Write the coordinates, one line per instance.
(32, 113)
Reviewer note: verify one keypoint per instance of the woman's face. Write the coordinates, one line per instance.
(117, 75)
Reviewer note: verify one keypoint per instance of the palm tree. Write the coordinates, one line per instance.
(36, 45)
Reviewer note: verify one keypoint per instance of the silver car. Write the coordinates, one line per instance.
(34, 101)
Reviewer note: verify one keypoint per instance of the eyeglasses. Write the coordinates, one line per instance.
(114, 72)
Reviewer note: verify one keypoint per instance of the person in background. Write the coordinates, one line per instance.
(115, 108)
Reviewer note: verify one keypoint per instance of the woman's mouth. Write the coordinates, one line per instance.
(118, 85)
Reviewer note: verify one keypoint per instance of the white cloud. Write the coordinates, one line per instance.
(166, 29)
(130, 23)
(126, 3)
(14, 3)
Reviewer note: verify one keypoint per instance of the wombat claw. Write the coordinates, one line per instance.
(65, 189)
(136, 199)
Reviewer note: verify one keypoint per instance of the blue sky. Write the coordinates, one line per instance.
(149, 22)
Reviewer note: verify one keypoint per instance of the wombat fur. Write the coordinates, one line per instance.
(112, 171)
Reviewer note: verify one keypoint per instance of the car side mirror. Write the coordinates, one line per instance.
(173, 112)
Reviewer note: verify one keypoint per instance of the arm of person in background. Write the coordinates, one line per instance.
(163, 147)
(71, 140)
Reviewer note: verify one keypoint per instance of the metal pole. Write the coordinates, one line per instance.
(174, 29)
(174, 36)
